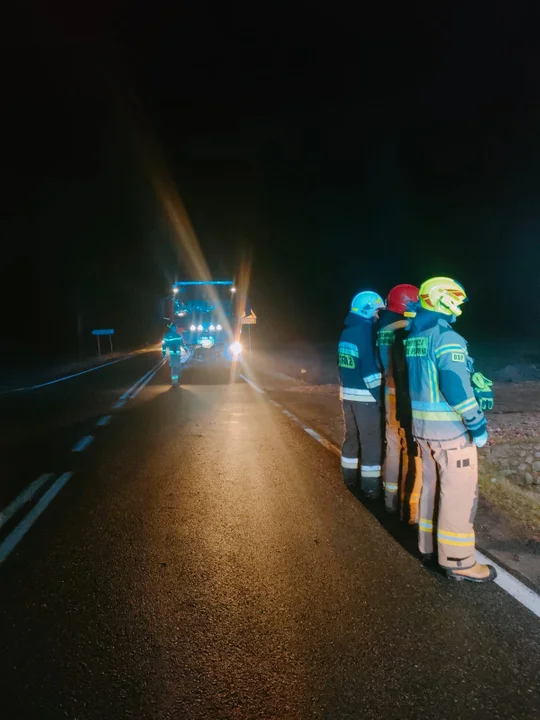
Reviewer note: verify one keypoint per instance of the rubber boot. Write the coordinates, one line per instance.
(350, 477)
(371, 487)
(477, 573)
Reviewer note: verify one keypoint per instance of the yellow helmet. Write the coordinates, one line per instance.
(442, 294)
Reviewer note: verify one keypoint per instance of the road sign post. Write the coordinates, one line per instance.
(249, 320)
(98, 334)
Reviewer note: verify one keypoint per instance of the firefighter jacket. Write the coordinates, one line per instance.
(174, 344)
(391, 334)
(442, 399)
(360, 374)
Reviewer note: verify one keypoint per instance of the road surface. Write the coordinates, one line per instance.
(203, 560)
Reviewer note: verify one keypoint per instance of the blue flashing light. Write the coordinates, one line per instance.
(202, 282)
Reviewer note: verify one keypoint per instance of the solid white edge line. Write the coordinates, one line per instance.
(513, 586)
(25, 496)
(83, 443)
(127, 393)
(323, 441)
(505, 580)
(250, 382)
(145, 383)
(17, 534)
(68, 377)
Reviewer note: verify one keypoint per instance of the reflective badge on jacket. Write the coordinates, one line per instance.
(347, 352)
(416, 347)
(346, 361)
(385, 337)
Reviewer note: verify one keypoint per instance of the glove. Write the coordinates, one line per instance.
(480, 440)
(482, 391)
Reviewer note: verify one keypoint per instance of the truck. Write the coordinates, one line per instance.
(208, 318)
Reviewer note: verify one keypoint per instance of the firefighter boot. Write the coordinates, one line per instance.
(477, 573)
(371, 487)
(350, 476)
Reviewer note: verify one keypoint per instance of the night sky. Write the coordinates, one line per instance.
(338, 149)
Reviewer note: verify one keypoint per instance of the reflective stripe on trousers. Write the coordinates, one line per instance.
(450, 474)
(393, 465)
(363, 440)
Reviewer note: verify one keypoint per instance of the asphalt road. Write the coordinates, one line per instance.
(204, 561)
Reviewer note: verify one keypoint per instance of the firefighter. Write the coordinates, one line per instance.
(175, 348)
(401, 472)
(448, 426)
(360, 394)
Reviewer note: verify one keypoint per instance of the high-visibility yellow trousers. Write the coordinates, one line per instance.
(448, 501)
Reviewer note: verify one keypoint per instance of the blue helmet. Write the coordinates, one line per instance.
(366, 304)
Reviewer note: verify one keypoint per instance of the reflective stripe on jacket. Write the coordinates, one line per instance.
(359, 371)
(174, 343)
(442, 399)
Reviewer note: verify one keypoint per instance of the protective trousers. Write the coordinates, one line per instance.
(448, 500)
(175, 364)
(362, 446)
(402, 470)
(411, 484)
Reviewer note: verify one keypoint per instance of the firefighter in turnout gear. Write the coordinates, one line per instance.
(175, 348)
(360, 394)
(402, 475)
(448, 426)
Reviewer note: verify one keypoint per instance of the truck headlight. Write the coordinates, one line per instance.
(199, 328)
(236, 348)
(218, 327)
(211, 328)
(192, 328)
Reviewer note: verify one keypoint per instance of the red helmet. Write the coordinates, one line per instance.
(401, 300)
